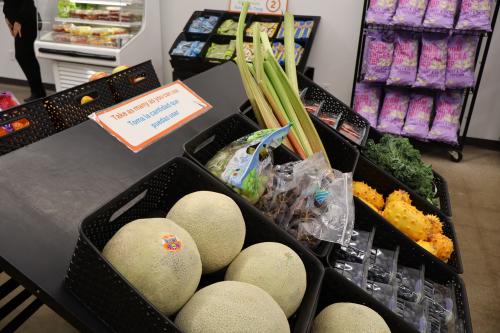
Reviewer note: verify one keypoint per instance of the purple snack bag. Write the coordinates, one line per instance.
(440, 14)
(366, 102)
(432, 66)
(404, 63)
(447, 123)
(392, 115)
(410, 12)
(461, 57)
(475, 15)
(378, 56)
(381, 11)
(418, 116)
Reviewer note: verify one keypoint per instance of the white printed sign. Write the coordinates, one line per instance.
(272, 7)
(144, 119)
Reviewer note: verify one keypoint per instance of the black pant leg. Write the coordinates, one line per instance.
(25, 56)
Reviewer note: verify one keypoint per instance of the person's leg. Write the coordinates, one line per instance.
(25, 56)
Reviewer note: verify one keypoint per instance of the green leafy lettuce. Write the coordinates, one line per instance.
(397, 156)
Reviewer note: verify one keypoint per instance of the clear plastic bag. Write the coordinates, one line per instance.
(246, 164)
(352, 271)
(311, 201)
(382, 265)
(358, 249)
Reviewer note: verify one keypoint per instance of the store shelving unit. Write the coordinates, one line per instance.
(455, 151)
(98, 35)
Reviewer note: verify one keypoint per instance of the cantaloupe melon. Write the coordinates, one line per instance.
(216, 224)
(232, 306)
(159, 258)
(274, 267)
(349, 318)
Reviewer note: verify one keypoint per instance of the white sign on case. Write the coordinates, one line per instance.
(270, 7)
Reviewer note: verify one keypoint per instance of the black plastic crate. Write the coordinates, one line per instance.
(205, 145)
(104, 291)
(134, 81)
(333, 106)
(40, 126)
(439, 182)
(205, 13)
(342, 154)
(385, 184)
(192, 64)
(337, 289)
(65, 108)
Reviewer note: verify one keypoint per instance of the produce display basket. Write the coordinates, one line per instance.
(133, 81)
(342, 154)
(334, 107)
(104, 291)
(384, 183)
(185, 67)
(65, 108)
(439, 182)
(337, 289)
(205, 145)
(40, 126)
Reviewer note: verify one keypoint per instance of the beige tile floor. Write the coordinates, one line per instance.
(473, 186)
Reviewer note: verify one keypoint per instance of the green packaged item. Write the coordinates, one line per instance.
(221, 51)
(246, 164)
(228, 28)
(63, 8)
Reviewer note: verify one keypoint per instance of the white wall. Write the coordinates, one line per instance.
(8, 64)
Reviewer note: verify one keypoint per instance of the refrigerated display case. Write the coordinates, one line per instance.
(89, 36)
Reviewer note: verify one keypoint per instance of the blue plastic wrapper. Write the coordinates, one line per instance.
(188, 49)
(203, 24)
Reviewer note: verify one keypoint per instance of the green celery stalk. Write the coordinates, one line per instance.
(290, 65)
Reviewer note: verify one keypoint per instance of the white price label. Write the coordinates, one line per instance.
(270, 7)
(145, 119)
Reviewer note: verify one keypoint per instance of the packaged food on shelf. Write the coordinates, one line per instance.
(7, 100)
(228, 28)
(410, 282)
(410, 12)
(381, 11)
(378, 56)
(475, 15)
(203, 24)
(404, 63)
(279, 52)
(461, 59)
(188, 49)
(267, 27)
(309, 200)
(352, 271)
(64, 7)
(446, 123)
(303, 30)
(383, 292)
(414, 313)
(367, 101)
(246, 164)
(419, 115)
(432, 64)
(440, 14)
(358, 249)
(352, 131)
(332, 120)
(440, 301)
(221, 51)
(61, 37)
(393, 112)
(382, 265)
(248, 50)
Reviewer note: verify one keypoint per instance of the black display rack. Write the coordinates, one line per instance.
(185, 67)
(455, 151)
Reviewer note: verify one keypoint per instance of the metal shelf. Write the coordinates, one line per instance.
(98, 22)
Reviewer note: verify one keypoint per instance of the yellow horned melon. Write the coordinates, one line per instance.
(398, 195)
(216, 224)
(349, 318)
(428, 246)
(271, 266)
(443, 246)
(408, 220)
(368, 195)
(232, 306)
(437, 226)
(159, 259)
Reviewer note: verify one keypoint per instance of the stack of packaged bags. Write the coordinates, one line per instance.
(471, 14)
(416, 114)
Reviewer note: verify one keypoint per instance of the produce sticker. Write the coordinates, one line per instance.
(270, 7)
(147, 118)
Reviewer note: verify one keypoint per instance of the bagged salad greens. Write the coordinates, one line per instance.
(246, 164)
(311, 201)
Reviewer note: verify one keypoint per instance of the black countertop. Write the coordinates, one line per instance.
(49, 187)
